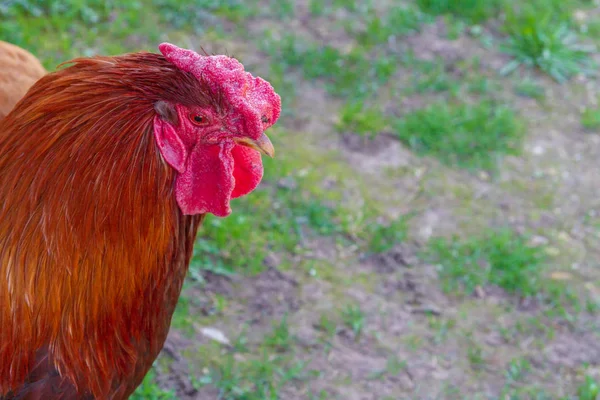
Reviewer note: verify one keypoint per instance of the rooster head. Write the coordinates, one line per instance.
(215, 145)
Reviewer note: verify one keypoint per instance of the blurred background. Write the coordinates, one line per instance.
(430, 227)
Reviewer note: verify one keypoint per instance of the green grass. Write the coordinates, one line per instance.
(354, 318)
(392, 24)
(149, 390)
(383, 238)
(590, 118)
(441, 327)
(256, 378)
(464, 135)
(475, 354)
(498, 257)
(517, 370)
(393, 368)
(327, 325)
(473, 11)
(530, 88)
(361, 120)
(282, 8)
(254, 372)
(280, 338)
(356, 73)
(93, 27)
(182, 318)
(84, 28)
(431, 77)
(589, 389)
(538, 38)
(502, 258)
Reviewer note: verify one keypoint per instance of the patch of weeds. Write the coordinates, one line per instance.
(431, 77)
(498, 257)
(592, 306)
(240, 343)
(317, 8)
(441, 327)
(591, 29)
(589, 389)
(318, 216)
(282, 8)
(562, 10)
(350, 5)
(538, 39)
(322, 395)
(199, 15)
(355, 117)
(328, 327)
(535, 325)
(225, 248)
(451, 391)
(149, 390)
(382, 238)
(562, 301)
(280, 338)
(469, 136)
(354, 318)
(355, 74)
(481, 85)
(455, 27)
(517, 370)
(285, 86)
(395, 22)
(477, 81)
(393, 367)
(414, 342)
(251, 378)
(93, 27)
(590, 118)
(220, 303)
(530, 88)
(473, 11)
(474, 352)
(182, 317)
(534, 392)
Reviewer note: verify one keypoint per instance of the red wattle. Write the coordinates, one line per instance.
(207, 182)
(247, 170)
(213, 175)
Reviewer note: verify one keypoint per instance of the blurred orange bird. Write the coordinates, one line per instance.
(19, 69)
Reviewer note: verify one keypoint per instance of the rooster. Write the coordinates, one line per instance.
(19, 69)
(107, 169)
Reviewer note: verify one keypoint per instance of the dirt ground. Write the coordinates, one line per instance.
(551, 189)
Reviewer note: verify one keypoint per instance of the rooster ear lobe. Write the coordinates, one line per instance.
(170, 144)
(166, 111)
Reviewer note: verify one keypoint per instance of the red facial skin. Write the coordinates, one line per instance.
(202, 145)
(212, 168)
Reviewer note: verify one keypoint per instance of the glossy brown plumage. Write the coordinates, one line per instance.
(93, 248)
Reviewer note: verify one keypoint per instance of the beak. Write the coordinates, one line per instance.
(262, 144)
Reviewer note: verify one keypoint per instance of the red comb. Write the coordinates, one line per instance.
(251, 97)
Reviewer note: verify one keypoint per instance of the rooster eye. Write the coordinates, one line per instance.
(198, 119)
